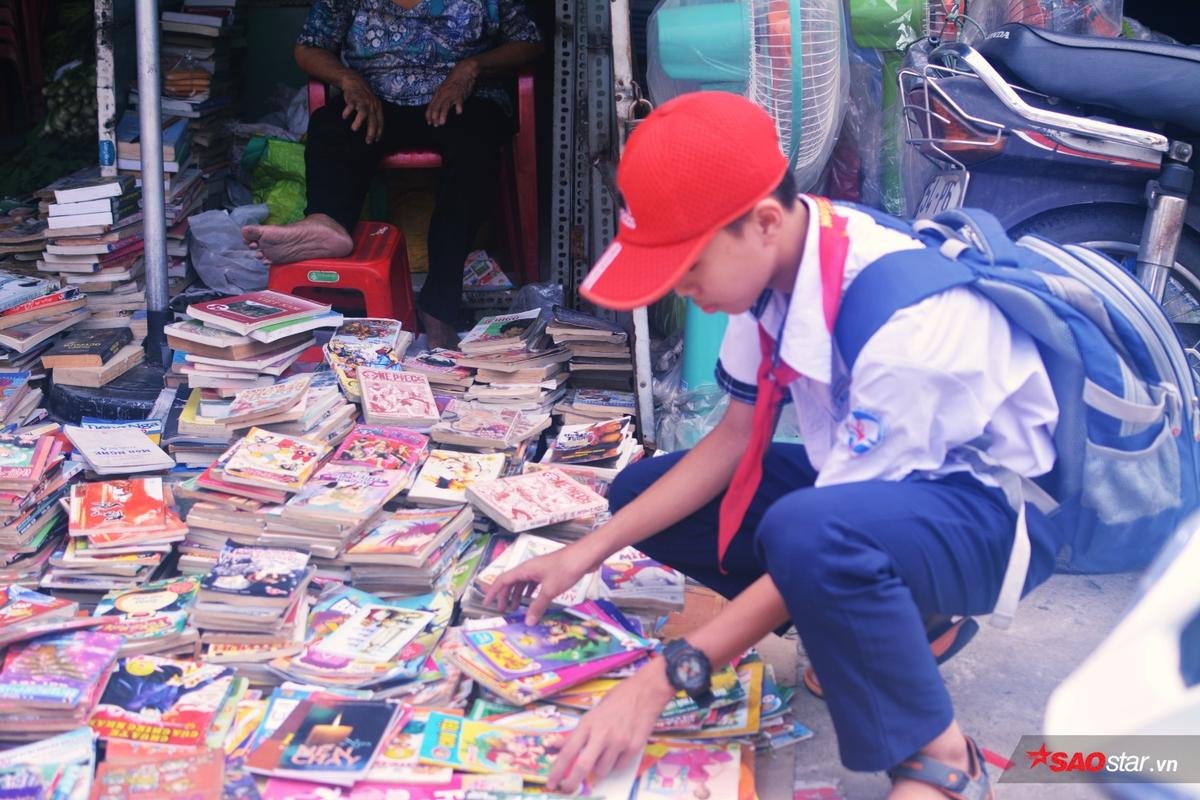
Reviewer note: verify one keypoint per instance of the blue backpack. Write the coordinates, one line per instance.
(1128, 462)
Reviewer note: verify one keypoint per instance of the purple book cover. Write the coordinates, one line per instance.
(57, 671)
(515, 649)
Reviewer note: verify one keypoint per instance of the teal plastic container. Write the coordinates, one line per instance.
(707, 43)
(702, 334)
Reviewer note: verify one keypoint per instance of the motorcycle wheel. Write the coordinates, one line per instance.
(1115, 231)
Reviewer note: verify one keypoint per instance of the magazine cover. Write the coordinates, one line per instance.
(397, 395)
(196, 776)
(400, 762)
(447, 473)
(439, 362)
(275, 459)
(631, 575)
(474, 746)
(476, 422)
(266, 400)
(598, 441)
(534, 499)
(154, 610)
(407, 533)
(376, 633)
(343, 603)
(527, 547)
(677, 771)
(347, 492)
(254, 310)
(117, 506)
(326, 738)
(23, 458)
(385, 447)
(56, 671)
(368, 342)
(497, 331)
(516, 650)
(257, 572)
(162, 700)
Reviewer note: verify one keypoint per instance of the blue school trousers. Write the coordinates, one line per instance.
(860, 567)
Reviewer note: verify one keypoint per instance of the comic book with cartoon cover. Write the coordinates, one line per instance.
(397, 398)
(474, 746)
(407, 536)
(383, 447)
(631, 579)
(55, 672)
(255, 575)
(516, 650)
(149, 616)
(161, 700)
(346, 494)
(441, 367)
(675, 770)
(446, 474)
(534, 499)
(273, 460)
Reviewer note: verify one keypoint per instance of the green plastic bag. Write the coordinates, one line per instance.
(276, 170)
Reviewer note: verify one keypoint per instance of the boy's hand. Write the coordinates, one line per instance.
(554, 573)
(614, 731)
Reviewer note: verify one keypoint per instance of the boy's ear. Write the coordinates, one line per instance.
(766, 220)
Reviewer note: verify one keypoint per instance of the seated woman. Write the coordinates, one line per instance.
(413, 74)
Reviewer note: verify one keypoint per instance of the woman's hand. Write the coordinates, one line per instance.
(614, 732)
(554, 573)
(362, 103)
(453, 92)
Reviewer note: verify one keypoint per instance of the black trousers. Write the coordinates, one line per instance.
(340, 165)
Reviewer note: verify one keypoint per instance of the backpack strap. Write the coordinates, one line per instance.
(984, 231)
(895, 281)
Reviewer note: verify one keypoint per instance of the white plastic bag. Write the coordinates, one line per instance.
(222, 260)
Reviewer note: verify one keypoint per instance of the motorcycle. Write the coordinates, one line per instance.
(1078, 139)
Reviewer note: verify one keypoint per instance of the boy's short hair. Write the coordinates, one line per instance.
(784, 192)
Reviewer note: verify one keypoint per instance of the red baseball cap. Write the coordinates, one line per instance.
(693, 166)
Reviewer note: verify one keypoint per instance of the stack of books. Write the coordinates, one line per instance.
(52, 684)
(22, 240)
(597, 449)
(120, 530)
(152, 618)
(443, 369)
(42, 768)
(93, 357)
(408, 550)
(253, 596)
(357, 640)
(600, 354)
(515, 364)
(365, 342)
(584, 406)
(245, 341)
(200, 45)
(26, 614)
(33, 478)
(185, 190)
(32, 311)
(19, 399)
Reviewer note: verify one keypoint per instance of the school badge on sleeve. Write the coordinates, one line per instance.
(862, 430)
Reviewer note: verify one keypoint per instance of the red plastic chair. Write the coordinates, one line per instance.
(375, 275)
(518, 176)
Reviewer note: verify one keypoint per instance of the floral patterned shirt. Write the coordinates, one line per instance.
(405, 54)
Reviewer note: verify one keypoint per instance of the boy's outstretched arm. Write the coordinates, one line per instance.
(699, 476)
(615, 730)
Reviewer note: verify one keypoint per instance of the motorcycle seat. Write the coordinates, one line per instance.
(1150, 80)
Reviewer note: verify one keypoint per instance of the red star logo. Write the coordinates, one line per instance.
(1037, 756)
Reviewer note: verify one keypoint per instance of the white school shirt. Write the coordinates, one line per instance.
(941, 374)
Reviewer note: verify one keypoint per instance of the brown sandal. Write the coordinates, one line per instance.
(946, 637)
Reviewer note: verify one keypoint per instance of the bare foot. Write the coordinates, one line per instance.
(439, 333)
(315, 236)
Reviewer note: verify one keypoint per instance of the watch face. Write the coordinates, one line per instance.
(691, 673)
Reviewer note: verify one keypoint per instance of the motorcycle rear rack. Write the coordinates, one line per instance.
(1105, 138)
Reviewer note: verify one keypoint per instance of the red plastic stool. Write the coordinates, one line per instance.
(377, 270)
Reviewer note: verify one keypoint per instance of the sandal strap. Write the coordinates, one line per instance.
(972, 784)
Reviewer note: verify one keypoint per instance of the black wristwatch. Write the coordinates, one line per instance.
(689, 671)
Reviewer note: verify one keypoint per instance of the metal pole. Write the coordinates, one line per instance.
(625, 96)
(106, 95)
(154, 208)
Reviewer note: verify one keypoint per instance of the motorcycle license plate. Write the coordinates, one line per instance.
(944, 192)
